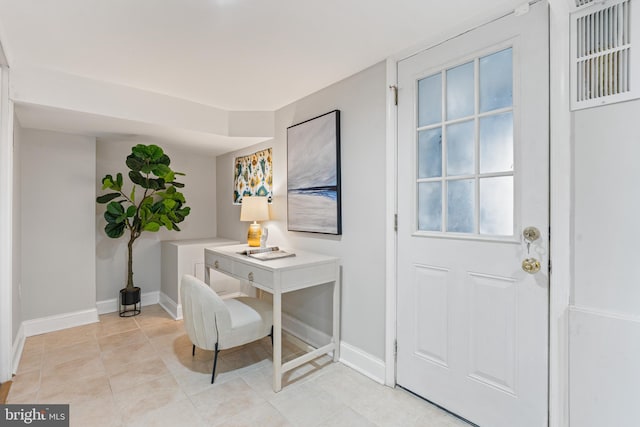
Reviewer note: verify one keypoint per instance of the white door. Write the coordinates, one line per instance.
(472, 175)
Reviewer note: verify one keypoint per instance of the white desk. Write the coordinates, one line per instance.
(277, 277)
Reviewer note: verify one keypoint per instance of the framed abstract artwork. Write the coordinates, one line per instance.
(313, 175)
(253, 176)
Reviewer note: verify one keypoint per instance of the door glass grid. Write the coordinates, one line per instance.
(465, 148)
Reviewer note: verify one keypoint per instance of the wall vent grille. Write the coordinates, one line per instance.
(603, 53)
(580, 3)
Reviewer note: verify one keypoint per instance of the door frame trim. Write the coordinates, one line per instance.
(560, 183)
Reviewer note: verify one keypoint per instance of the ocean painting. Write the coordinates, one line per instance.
(313, 175)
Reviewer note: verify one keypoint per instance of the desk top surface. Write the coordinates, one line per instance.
(302, 258)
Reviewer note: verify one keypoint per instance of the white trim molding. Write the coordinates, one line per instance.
(350, 356)
(391, 235)
(170, 306)
(18, 346)
(6, 226)
(111, 305)
(363, 362)
(58, 322)
(561, 210)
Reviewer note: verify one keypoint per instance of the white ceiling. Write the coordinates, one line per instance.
(246, 55)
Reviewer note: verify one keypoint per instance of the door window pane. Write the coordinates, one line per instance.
(496, 206)
(460, 92)
(465, 153)
(460, 148)
(496, 81)
(430, 100)
(430, 206)
(430, 153)
(461, 206)
(496, 143)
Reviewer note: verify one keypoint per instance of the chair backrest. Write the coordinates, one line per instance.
(205, 314)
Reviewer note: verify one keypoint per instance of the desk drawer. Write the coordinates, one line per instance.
(219, 263)
(254, 274)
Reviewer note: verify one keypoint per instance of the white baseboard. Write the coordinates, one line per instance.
(170, 306)
(350, 356)
(304, 332)
(362, 362)
(111, 305)
(18, 346)
(59, 321)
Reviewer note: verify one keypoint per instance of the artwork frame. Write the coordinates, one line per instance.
(253, 175)
(314, 202)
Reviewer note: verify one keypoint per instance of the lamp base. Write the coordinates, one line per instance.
(253, 236)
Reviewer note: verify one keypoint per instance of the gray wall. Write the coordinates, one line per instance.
(200, 194)
(605, 312)
(57, 203)
(361, 101)
(16, 308)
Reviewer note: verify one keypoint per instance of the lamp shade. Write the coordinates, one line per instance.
(254, 208)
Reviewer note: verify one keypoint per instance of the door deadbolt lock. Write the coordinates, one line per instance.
(531, 265)
(531, 234)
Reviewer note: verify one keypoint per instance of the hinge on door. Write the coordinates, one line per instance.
(395, 222)
(394, 88)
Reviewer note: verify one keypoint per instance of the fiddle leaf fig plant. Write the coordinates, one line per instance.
(152, 202)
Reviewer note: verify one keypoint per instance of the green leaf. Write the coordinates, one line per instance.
(114, 230)
(119, 180)
(134, 163)
(156, 184)
(164, 160)
(179, 173)
(115, 208)
(106, 198)
(107, 182)
(161, 170)
(166, 222)
(157, 207)
(140, 151)
(111, 217)
(132, 196)
(154, 152)
(169, 204)
(152, 226)
(177, 184)
(137, 178)
(147, 168)
(175, 227)
(131, 211)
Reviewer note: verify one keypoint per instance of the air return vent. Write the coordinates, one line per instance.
(580, 3)
(604, 54)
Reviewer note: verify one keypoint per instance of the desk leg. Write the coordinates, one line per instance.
(336, 318)
(277, 341)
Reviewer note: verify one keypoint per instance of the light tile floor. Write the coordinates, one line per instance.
(139, 371)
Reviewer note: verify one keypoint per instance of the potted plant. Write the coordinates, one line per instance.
(153, 202)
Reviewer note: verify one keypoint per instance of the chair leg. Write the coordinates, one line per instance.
(215, 362)
(193, 351)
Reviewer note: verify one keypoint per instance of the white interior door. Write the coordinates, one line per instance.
(472, 175)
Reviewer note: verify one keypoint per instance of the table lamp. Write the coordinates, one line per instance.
(254, 208)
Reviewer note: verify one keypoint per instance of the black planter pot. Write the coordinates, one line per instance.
(130, 304)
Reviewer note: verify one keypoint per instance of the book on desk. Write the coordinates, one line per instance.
(265, 254)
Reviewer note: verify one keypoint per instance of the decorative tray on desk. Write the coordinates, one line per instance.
(265, 254)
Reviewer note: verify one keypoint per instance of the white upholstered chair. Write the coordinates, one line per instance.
(216, 324)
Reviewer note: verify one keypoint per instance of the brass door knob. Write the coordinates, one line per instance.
(531, 265)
